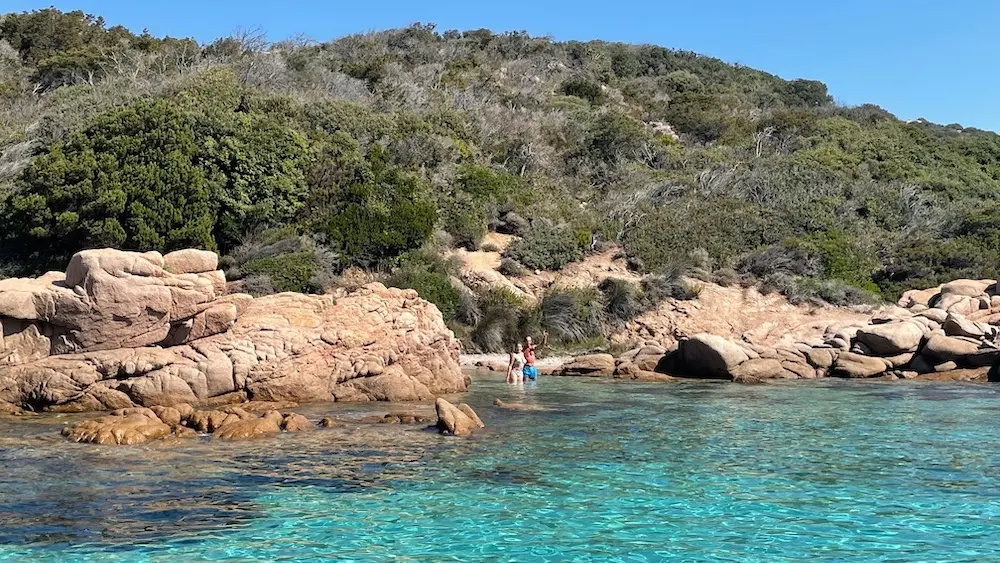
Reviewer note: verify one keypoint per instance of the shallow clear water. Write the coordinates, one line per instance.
(603, 471)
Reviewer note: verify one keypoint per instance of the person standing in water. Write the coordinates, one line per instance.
(515, 365)
(530, 371)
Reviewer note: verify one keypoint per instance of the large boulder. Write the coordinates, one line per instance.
(940, 348)
(966, 288)
(918, 297)
(592, 365)
(107, 299)
(711, 355)
(755, 370)
(957, 325)
(127, 333)
(849, 364)
(191, 261)
(891, 338)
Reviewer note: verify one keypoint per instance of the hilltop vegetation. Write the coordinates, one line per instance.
(298, 160)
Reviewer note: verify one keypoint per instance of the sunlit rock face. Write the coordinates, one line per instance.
(125, 329)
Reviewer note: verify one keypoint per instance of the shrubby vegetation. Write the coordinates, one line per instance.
(545, 247)
(365, 150)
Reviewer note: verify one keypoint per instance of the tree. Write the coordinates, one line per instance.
(370, 210)
(130, 180)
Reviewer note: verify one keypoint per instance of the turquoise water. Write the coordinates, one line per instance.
(824, 471)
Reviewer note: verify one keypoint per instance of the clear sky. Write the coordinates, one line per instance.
(916, 58)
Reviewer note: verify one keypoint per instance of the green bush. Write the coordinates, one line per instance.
(432, 286)
(374, 211)
(512, 268)
(286, 272)
(621, 298)
(130, 180)
(572, 314)
(841, 257)
(584, 89)
(465, 220)
(504, 321)
(545, 248)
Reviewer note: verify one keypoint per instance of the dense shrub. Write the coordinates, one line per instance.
(572, 314)
(545, 248)
(512, 268)
(504, 320)
(430, 285)
(465, 220)
(374, 141)
(374, 211)
(130, 180)
(280, 260)
(583, 88)
(622, 300)
(285, 272)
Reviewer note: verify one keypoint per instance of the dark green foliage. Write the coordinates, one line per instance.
(614, 136)
(512, 268)
(465, 220)
(278, 260)
(254, 169)
(571, 314)
(431, 286)
(427, 273)
(805, 93)
(286, 272)
(842, 258)
(479, 193)
(504, 321)
(583, 88)
(545, 248)
(370, 210)
(130, 180)
(622, 300)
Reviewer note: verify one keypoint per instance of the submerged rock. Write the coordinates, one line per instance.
(126, 427)
(398, 418)
(294, 422)
(253, 427)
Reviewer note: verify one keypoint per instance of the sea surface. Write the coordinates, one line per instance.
(588, 470)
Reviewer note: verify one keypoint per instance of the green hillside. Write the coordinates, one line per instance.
(298, 160)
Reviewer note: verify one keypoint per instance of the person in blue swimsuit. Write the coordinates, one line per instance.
(530, 371)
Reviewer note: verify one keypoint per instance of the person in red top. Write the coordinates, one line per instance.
(529, 370)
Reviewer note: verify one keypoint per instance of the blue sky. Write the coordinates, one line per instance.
(916, 58)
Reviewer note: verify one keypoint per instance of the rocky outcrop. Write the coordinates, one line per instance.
(949, 332)
(133, 426)
(125, 329)
(457, 421)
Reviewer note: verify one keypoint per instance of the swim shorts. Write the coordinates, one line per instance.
(531, 372)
